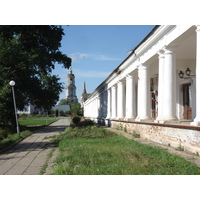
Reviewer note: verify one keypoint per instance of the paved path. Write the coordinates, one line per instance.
(28, 156)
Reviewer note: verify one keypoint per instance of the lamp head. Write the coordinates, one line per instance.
(188, 71)
(12, 83)
(181, 74)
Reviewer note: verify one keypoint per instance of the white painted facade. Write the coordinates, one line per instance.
(154, 64)
(31, 109)
(124, 98)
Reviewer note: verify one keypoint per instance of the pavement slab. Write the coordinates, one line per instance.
(28, 156)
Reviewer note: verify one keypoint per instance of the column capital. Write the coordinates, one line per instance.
(120, 81)
(197, 28)
(169, 49)
(161, 53)
(143, 67)
(113, 87)
(129, 76)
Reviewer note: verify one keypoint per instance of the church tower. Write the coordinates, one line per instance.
(71, 88)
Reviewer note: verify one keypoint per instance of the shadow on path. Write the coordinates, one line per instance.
(29, 155)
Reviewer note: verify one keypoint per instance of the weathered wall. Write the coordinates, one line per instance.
(187, 139)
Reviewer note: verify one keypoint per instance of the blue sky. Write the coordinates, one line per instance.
(96, 50)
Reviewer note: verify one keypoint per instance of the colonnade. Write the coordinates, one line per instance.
(123, 103)
(129, 97)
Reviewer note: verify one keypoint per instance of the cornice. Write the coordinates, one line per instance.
(158, 34)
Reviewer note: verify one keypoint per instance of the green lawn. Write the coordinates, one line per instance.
(96, 151)
(36, 121)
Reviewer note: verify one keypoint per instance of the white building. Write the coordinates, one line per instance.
(31, 109)
(124, 98)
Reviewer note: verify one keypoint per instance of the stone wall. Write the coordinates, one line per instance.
(177, 136)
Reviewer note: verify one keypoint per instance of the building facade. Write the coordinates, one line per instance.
(31, 109)
(71, 88)
(167, 60)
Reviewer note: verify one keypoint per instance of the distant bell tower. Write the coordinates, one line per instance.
(71, 88)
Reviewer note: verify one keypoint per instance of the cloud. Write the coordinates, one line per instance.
(90, 73)
(77, 56)
(102, 57)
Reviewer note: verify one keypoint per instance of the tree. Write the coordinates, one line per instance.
(75, 108)
(28, 55)
(63, 102)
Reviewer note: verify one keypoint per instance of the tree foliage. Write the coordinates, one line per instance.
(64, 102)
(75, 107)
(28, 55)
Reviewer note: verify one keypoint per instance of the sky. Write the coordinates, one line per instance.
(96, 50)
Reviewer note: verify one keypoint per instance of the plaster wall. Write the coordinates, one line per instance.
(187, 139)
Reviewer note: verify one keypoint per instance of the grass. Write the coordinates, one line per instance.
(36, 122)
(96, 151)
(44, 167)
(13, 138)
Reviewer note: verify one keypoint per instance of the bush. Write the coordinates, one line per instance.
(3, 134)
(88, 122)
(76, 120)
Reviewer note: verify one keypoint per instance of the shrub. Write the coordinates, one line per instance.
(76, 120)
(87, 122)
(3, 134)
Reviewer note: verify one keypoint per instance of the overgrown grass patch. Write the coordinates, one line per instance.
(95, 151)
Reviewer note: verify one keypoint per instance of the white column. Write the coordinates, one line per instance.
(143, 94)
(114, 102)
(108, 104)
(99, 107)
(101, 96)
(104, 104)
(96, 108)
(197, 118)
(169, 93)
(130, 98)
(161, 88)
(120, 100)
(138, 98)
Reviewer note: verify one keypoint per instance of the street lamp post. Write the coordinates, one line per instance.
(12, 84)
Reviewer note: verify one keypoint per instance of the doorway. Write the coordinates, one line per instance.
(187, 109)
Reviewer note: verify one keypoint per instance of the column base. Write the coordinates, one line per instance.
(120, 118)
(143, 119)
(130, 119)
(164, 120)
(108, 122)
(196, 122)
(113, 118)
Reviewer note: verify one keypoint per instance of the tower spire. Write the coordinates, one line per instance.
(70, 70)
(84, 89)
